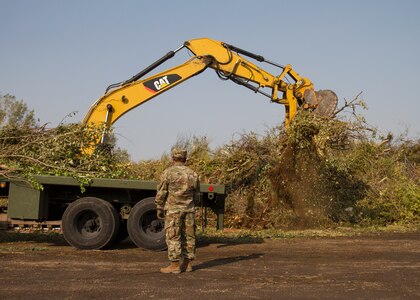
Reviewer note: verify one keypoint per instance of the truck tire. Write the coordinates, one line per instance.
(90, 223)
(144, 228)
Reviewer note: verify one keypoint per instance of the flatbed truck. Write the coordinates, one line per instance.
(103, 212)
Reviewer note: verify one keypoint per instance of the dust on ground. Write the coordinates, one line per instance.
(374, 266)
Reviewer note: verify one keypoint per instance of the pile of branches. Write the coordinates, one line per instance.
(319, 172)
(60, 151)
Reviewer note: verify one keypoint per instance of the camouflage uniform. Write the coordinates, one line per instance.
(178, 188)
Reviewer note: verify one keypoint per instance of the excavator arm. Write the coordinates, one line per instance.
(115, 103)
(229, 63)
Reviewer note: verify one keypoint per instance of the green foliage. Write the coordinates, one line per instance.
(319, 172)
(393, 177)
(15, 113)
(322, 172)
(59, 151)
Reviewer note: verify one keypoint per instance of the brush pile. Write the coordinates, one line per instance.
(29, 151)
(319, 172)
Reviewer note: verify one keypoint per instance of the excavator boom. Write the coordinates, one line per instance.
(229, 63)
(115, 103)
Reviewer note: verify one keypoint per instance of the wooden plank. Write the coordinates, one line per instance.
(5, 223)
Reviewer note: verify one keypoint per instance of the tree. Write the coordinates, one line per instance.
(15, 113)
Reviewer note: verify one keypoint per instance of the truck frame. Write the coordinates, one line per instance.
(103, 212)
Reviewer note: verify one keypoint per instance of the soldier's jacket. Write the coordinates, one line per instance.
(178, 188)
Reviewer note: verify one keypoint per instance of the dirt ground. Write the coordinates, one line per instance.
(379, 266)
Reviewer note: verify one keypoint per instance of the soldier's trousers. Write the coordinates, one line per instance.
(180, 235)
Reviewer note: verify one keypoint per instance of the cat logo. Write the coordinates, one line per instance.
(156, 84)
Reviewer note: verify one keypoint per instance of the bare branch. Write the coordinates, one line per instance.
(348, 104)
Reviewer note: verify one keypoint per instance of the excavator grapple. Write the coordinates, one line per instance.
(323, 102)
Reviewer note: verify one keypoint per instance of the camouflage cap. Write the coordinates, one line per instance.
(178, 153)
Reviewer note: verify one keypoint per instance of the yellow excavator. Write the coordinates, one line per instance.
(229, 63)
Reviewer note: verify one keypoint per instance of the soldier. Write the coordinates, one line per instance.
(177, 190)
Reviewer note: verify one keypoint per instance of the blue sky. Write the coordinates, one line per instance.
(59, 56)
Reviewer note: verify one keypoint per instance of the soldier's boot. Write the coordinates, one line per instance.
(186, 265)
(172, 268)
